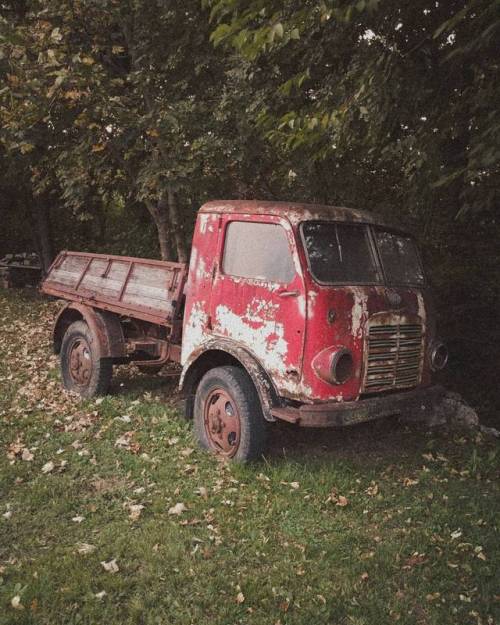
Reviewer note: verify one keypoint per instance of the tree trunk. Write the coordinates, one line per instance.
(43, 236)
(180, 243)
(159, 214)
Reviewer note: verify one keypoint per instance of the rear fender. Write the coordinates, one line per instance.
(104, 325)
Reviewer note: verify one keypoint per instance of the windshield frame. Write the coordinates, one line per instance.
(369, 230)
(371, 247)
(404, 235)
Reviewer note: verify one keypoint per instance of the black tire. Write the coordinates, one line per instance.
(97, 371)
(235, 383)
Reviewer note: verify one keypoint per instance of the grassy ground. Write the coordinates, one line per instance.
(377, 524)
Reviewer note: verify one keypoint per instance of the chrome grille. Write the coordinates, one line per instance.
(393, 357)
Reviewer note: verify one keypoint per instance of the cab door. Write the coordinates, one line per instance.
(258, 295)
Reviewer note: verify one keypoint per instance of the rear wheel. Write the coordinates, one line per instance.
(83, 369)
(228, 417)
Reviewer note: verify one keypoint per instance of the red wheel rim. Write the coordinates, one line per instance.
(222, 422)
(80, 362)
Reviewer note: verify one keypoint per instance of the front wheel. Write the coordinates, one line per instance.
(228, 417)
(83, 369)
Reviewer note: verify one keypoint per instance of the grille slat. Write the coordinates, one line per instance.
(394, 356)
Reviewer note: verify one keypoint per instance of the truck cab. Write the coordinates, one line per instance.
(326, 308)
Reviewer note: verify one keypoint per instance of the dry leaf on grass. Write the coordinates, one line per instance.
(85, 548)
(111, 566)
(409, 482)
(240, 597)
(15, 602)
(202, 491)
(135, 511)
(27, 456)
(179, 508)
(48, 467)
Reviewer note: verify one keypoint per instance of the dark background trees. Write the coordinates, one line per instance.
(120, 118)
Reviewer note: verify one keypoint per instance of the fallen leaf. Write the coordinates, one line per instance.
(364, 576)
(100, 595)
(27, 456)
(240, 597)
(85, 548)
(48, 467)
(202, 491)
(187, 452)
(179, 508)
(78, 519)
(15, 602)
(342, 501)
(409, 482)
(135, 511)
(413, 560)
(111, 566)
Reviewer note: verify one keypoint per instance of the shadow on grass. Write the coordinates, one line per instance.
(375, 440)
(386, 439)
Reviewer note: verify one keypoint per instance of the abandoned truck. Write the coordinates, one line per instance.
(316, 315)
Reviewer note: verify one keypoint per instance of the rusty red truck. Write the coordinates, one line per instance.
(316, 315)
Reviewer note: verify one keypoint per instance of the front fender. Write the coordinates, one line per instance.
(214, 351)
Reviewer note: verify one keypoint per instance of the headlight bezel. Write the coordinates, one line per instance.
(438, 356)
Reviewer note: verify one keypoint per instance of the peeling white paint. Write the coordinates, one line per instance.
(259, 310)
(421, 308)
(267, 341)
(301, 305)
(194, 330)
(203, 219)
(359, 312)
(201, 271)
(311, 304)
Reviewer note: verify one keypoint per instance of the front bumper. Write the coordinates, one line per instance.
(419, 403)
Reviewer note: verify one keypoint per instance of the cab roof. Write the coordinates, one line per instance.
(294, 211)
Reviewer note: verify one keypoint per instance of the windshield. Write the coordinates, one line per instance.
(339, 253)
(399, 257)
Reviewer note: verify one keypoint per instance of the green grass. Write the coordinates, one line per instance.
(267, 543)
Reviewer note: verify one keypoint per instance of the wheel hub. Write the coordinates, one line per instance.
(222, 422)
(80, 362)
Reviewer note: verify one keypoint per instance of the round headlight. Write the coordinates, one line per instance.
(439, 356)
(342, 366)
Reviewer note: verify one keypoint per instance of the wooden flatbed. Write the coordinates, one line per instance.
(150, 290)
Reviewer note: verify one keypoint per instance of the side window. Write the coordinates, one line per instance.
(258, 251)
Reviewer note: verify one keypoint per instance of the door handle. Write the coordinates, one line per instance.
(285, 293)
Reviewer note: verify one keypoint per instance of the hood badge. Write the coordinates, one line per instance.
(394, 298)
